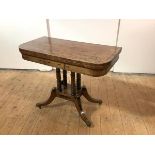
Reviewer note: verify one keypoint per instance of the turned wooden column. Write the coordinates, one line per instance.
(65, 78)
(58, 76)
(73, 88)
(78, 81)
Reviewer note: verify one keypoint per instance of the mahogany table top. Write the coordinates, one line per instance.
(77, 55)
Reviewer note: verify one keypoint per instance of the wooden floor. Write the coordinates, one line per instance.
(128, 105)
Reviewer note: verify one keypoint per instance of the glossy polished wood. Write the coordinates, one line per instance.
(86, 71)
(85, 58)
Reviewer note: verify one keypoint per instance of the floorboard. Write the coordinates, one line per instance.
(128, 105)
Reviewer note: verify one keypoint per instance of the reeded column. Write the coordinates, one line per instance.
(78, 81)
(73, 88)
(65, 78)
(58, 76)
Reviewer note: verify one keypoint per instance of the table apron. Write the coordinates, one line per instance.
(77, 69)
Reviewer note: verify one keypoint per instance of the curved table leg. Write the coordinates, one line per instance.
(88, 97)
(82, 114)
(49, 100)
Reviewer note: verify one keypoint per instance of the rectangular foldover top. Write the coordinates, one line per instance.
(87, 55)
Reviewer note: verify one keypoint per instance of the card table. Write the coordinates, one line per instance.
(75, 57)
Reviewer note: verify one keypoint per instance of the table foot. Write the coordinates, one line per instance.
(88, 97)
(82, 114)
(85, 119)
(49, 100)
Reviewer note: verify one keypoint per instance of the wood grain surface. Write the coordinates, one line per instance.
(85, 55)
(128, 105)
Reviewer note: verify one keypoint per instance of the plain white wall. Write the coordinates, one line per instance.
(14, 32)
(137, 37)
(92, 31)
